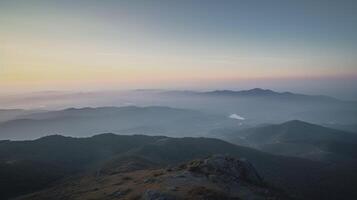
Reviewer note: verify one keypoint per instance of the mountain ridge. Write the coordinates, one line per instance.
(152, 120)
(260, 92)
(299, 138)
(81, 153)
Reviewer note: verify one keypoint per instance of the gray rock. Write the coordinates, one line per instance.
(227, 169)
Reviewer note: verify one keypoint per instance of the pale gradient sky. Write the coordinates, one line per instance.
(306, 46)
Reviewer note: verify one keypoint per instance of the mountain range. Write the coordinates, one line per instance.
(28, 166)
(258, 92)
(256, 105)
(152, 120)
(275, 145)
(297, 138)
(268, 106)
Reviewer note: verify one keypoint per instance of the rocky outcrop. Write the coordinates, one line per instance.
(214, 178)
(227, 169)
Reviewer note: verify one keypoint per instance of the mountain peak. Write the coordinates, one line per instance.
(254, 91)
(260, 91)
(55, 137)
(296, 122)
(298, 125)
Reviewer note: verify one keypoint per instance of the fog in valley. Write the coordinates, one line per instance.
(165, 112)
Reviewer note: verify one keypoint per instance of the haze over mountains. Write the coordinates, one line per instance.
(256, 105)
(152, 120)
(297, 138)
(256, 92)
(57, 99)
(287, 138)
(178, 100)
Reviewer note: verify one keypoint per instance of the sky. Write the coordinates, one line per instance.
(296, 45)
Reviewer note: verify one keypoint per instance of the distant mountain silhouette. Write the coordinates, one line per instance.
(255, 91)
(257, 105)
(11, 114)
(259, 92)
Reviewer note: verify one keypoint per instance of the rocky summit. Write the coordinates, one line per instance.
(216, 177)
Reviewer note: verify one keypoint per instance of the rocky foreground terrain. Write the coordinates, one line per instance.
(216, 177)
